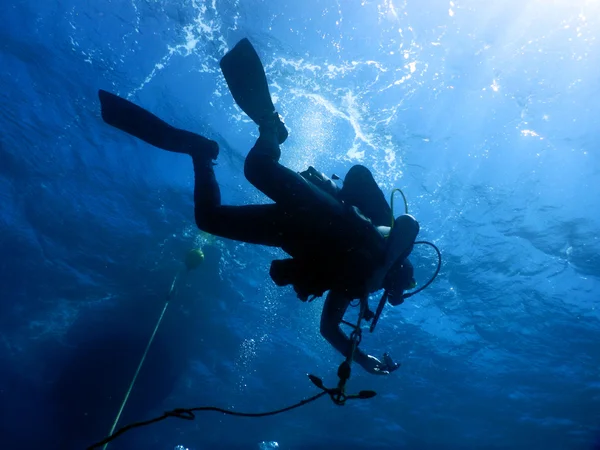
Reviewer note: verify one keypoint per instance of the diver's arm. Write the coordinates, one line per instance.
(334, 309)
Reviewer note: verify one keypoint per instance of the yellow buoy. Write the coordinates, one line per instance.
(194, 258)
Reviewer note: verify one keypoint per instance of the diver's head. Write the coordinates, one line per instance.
(399, 278)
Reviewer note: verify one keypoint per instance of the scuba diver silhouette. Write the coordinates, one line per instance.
(341, 240)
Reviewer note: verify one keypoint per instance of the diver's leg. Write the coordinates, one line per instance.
(141, 123)
(255, 224)
(311, 210)
(282, 185)
(258, 224)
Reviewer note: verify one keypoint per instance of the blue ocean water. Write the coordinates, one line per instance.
(485, 113)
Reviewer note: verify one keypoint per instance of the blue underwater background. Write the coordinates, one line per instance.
(485, 113)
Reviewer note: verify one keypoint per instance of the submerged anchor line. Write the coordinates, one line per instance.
(338, 394)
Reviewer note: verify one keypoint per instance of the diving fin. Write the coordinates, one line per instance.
(247, 81)
(245, 76)
(142, 124)
(361, 190)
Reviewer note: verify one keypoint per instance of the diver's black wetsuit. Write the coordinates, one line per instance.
(308, 223)
(334, 247)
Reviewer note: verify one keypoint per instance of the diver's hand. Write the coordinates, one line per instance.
(373, 365)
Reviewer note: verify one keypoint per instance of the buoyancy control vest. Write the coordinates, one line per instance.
(345, 270)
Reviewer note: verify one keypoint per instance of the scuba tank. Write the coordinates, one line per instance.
(322, 181)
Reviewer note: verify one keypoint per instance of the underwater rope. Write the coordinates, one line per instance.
(345, 368)
(188, 414)
(337, 394)
(143, 359)
(193, 260)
